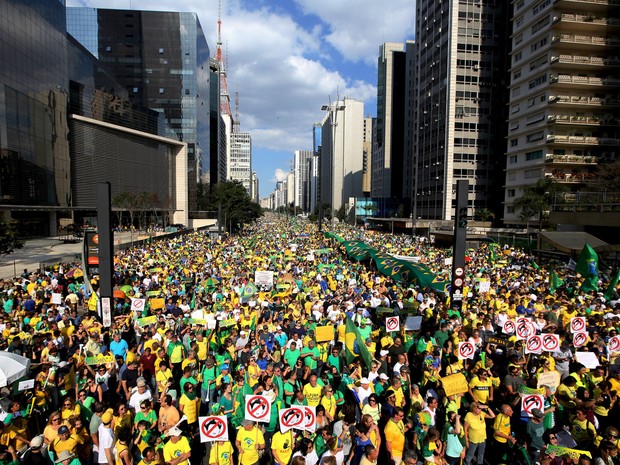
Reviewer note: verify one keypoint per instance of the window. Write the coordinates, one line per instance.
(537, 81)
(541, 6)
(511, 192)
(513, 159)
(516, 74)
(161, 90)
(161, 51)
(510, 209)
(532, 174)
(135, 90)
(515, 108)
(512, 176)
(108, 49)
(540, 24)
(514, 142)
(516, 57)
(535, 155)
(518, 39)
(535, 136)
(519, 5)
(516, 91)
(538, 63)
(535, 118)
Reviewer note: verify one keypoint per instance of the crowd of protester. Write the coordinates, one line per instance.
(207, 346)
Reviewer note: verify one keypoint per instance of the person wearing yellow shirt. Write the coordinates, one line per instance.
(221, 453)
(476, 432)
(202, 347)
(502, 431)
(481, 387)
(163, 375)
(312, 392)
(249, 442)
(150, 457)
(397, 388)
(582, 430)
(177, 450)
(395, 431)
(282, 447)
(189, 404)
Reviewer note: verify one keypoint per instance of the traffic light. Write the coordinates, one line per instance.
(462, 217)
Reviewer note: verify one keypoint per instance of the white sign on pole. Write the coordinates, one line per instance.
(257, 408)
(106, 312)
(213, 428)
(263, 279)
(56, 299)
(137, 304)
(485, 286)
(26, 384)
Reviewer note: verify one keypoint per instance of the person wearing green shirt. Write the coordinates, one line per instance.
(207, 388)
(291, 355)
(187, 378)
(334, 359)
(311, 355)
(365, 329)
(290, 386)
(441, 335)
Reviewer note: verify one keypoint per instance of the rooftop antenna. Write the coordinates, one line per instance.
(236, 123)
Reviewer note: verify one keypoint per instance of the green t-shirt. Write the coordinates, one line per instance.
(151, 417)
(309, 361)
(291, 357)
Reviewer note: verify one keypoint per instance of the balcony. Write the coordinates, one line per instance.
(587, 22)
(572, 177)
(571, 160)
(581, 140)
(576, 62)
(592, 120)
(593, 81)
(586, 208)
(586, 40)
(581, 100)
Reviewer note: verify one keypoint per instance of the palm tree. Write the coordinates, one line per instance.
(536, 200)
(484, 214)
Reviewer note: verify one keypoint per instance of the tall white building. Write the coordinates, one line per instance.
(255, 195)
(460, 104)
(367, 162)
(342, 152)
(240, 162)
(564, 94)
(301, 170)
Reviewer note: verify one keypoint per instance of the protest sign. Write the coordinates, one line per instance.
(454, 384)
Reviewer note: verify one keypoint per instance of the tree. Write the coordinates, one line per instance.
(608, 176)
(237, 206)
(10, 238)
(484, 214)
(341, 213)
(537, 198)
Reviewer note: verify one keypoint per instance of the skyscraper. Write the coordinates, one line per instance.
(240, 163)
(342, 152)
(301, 168)
(387, 146)
(459, 103)
(564, 95)
(162, 59)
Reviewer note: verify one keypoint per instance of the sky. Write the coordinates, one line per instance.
(287, 58)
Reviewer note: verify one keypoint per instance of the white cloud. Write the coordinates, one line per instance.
(357, 32)
(285, 71)
(279, 175)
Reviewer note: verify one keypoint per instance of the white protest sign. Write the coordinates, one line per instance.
(56, 299)
(257, 408)
(484, 287)
(213, 428)
(27, 384)
(137, 304)
(587, 359)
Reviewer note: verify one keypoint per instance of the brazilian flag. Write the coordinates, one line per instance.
(609, 293)
(390, 266)
(554, 281)
(331, 235)
(249, 290)
(354, 344)
(587, 266)
(357, 250)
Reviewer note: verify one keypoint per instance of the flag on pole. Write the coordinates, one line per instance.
(354, 344)
(609, 293)
(554, 281)
(587, 267)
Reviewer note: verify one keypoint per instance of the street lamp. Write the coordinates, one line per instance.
(333, 112)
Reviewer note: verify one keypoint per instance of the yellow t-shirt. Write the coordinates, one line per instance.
(190, 409)
(248, 439)
(395, 435)
(501, 424)
(202, 351)
(172, 450)
(283, 444)
(477, 428)
(481, 389)
(221, 453)
(162, 378)
(312, 394)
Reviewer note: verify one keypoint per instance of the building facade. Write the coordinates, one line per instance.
(162, 59)
(342, 152)
(564, 95)
(240, 162)
(460, 104)
(367, 163)
(387, 147)
(301, 169)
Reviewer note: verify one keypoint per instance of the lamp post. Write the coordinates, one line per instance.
(333, 109)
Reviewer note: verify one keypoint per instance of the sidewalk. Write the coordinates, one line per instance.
(51, 250)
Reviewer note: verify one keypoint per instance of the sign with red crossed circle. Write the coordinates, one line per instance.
(533, 345)
(310, 419)
(257, 408)
(137, 304)
(524, 329)
(614, 344)
(577, 324)
(580, 339)
(550, 342)
(466, 350)
(392, 323)
(291, 418)
(531, 401)
(213, 428)
(509, 327)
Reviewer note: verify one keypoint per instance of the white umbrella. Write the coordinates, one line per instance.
(12, 367)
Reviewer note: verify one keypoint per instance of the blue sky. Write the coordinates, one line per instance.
(287, 58)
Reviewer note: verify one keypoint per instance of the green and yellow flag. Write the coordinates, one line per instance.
(357, 250)
(609, 293)
(355, 345)
(554, 281)
(587, 267)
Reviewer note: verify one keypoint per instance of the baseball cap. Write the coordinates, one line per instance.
(141, 383)
(383, 376)
(107, 416)
(364, 381)
(174, 431)
(63, 430)
(36, 442)
(383, 353)
(224, 367)
(538, 413)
